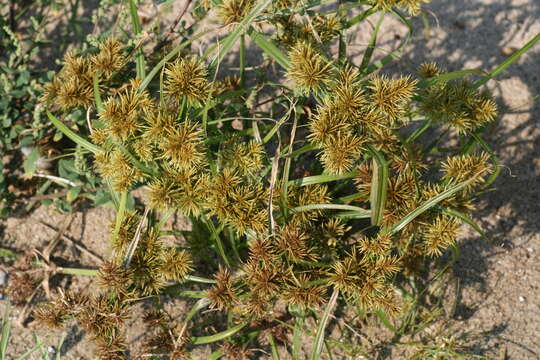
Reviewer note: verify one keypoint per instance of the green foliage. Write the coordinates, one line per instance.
(332, 192)
(27, 138)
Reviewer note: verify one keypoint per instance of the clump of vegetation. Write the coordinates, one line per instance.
(337, 185)
(54, 169)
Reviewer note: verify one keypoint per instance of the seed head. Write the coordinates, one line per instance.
(188, 77)
(309, 70)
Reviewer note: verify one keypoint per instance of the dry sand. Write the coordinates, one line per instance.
(499, 280)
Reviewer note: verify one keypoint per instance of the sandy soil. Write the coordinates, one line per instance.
(499, 279)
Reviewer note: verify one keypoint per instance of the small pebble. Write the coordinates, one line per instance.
(3, 277)
(521, 298)
(508, 50)
(530, 249)
(51, 350)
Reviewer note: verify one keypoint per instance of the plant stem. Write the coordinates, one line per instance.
(137, 28)
(242, 60)
(77, 271)
(119, 215)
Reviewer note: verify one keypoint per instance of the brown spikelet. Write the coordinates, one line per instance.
(20, 287)
(340, 154)
(292, 242)
(176, 264)
(262, 250)
(222, 295)
(467, 167)
(300, 292)
(263, 280)
(440, 234)
(113, 277)
(234, 352)
(347, 274)
(378, 246)
(110, 57)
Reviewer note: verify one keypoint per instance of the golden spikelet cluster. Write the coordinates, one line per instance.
(103, 316)
(300, 291)
(72, 87)
(116, 166)
(241, 205)
(440, 234)
(459, 105)
(318, 30)
(184, 190)
(245, 157)
(284, 4)
(340, 156)
(309, 69)
(153, 264)
(293, 242)
(182, 146)
(390, 97)
(187, 77)
(233, 11)
(412, 6)
(122, 115)
(111, 57)
(472, 168)
(429, 69)
(221, 295)
(163, 336)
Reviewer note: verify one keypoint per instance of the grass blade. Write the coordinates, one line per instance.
(352, 215)
(359, 210)
(467, 220)
(372, 41)
(198, 279)
(275, 353)
(448, 77)
(6, 331)
(241, 28)
(419, 131)
(59, 346)
(379, 186)
(270, 49)
(219, 336)
(199, 305)
(40, 347)
(120, 215)
(137, 28)
(394, 55)
(319, 179)
(427, 205)
(276, 127)
(361, 17)
(73, 136)
(319, 338)
(297, 335)
(97, 95)
(385, 321)
(514, 57)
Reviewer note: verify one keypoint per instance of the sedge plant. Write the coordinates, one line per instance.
(337, 185)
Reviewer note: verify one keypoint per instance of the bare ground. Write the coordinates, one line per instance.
(498, 279)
